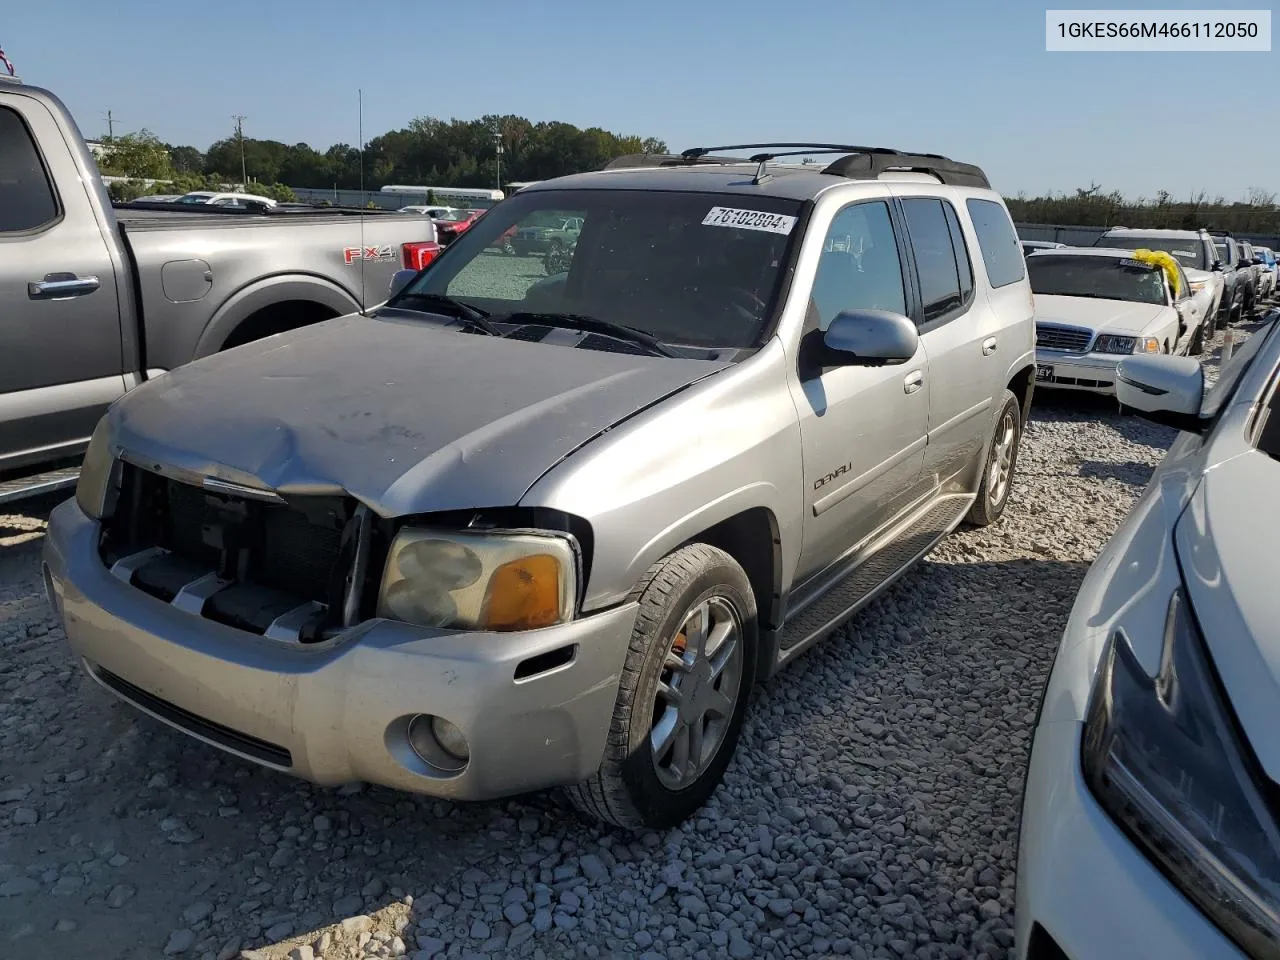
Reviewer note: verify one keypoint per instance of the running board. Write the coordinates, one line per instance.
(40, 483)
(882, 566)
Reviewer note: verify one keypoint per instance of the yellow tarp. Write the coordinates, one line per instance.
(1158, 258)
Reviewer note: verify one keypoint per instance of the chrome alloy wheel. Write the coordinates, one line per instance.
(1001, 469)
(697, 692)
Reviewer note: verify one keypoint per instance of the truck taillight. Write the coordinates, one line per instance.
(418, 255)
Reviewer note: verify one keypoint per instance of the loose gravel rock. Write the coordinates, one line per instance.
(871, 810)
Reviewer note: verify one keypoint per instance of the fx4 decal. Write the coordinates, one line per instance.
(354, 254)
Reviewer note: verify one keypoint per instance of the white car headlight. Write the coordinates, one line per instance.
(1112, 343)
(1198, 285)
(94, 487)
(1163, 758)
(481, 580)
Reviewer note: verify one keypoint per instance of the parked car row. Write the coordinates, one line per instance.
(1137, 292)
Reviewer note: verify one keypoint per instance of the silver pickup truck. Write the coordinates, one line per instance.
(517, 530)
(94, 300)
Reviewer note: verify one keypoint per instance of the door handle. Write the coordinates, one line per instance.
(60, 286)
(912, 381)
(988, 346)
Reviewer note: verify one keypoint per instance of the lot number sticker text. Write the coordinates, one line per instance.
(749, 220)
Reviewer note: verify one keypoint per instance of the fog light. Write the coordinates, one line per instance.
(438, 742)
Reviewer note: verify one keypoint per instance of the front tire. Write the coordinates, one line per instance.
(1002, 460)
(683, 692)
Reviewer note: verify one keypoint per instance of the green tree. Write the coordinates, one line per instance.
(139, 155)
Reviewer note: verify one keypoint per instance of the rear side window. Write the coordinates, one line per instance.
(999, 244)
(26, 196)
(936, 258)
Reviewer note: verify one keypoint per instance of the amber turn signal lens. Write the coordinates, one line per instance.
(523, 594)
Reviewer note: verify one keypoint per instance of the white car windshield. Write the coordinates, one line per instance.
(1096, 278)
(1188, 252)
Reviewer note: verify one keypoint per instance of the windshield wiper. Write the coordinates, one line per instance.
(578, 321)
(474, 317)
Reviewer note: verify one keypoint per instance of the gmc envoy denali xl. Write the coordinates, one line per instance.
(508, 532)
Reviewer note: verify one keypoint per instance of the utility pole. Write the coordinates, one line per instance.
(497, 144)
(111, 127)
(244, 176)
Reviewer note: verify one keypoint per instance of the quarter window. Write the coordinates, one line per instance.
(859, 268)
(27, 201)
(999, 244)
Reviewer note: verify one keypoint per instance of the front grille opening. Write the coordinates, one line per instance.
(1068, 339)
(261, 750)
(277, 557)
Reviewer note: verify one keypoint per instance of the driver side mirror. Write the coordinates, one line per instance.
(1164, 389)
(870, 337)
(1217, 266)
(400, 280)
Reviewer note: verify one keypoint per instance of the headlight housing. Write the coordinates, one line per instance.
(95, 484)
(1198, 285)
(1112, 343)
(1163, 758)
(504, 580)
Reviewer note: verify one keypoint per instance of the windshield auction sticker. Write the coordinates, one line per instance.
(749, 220)
(1157, 31)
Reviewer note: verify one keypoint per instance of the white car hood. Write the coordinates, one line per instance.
(1106, 316)
(1225, 541)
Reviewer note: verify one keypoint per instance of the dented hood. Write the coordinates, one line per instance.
(405, 416)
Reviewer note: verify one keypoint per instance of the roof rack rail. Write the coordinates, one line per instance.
(632, 160)
(1218, 233)
(858, 162)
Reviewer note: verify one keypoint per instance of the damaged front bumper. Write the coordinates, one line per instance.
(534, 706)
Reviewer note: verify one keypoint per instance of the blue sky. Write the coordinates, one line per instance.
(971, 80)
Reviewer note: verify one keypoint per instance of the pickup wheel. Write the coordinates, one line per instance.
(683, 691)
(997, 478)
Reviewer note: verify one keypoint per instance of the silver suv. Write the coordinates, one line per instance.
(515, 530)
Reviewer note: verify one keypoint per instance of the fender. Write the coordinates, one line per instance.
(248, 300)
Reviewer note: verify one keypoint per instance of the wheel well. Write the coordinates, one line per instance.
(1022, 384)
(751, 538)
(277, 318)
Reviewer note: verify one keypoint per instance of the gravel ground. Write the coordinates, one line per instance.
(871, 811)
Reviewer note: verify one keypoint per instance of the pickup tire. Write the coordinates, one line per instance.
(1002, 460)
(689, 669)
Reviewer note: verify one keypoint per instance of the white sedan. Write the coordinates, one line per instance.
(1151, 814)
(1095, 306)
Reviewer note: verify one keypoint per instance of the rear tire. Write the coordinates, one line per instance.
(667, 679)
(1002, 460)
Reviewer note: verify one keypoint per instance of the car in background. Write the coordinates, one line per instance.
(1095, 306)
(452, 225)
(557, 234)
(1031, 246)
(1150, 824)
(1269, 282)
(235, 201)
(1195, 251)
(159, 198)
(430, 211)
(1237, 265)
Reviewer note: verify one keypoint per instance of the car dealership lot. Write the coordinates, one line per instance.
(872, 809)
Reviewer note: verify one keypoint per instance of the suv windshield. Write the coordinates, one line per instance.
(1099, 278)
(695, 269)
(1189, 252)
